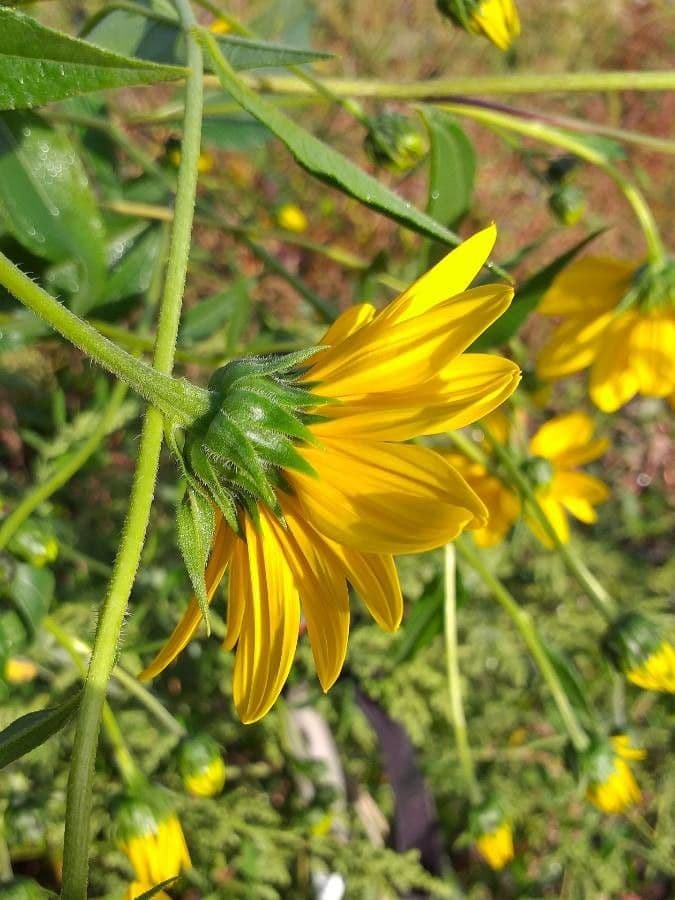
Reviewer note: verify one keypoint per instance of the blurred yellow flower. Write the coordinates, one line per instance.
(292, 218)
(558, 448)
(617, 790)
(201, 766)
(220, 26)
(496, 847)
(148, 831)
(623, 747)
(497, 20)
(363, 495)
(205, 161)
(629, 348)
(657, 672)
(19, 670)
(503, 505)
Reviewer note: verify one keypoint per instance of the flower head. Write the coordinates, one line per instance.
(394, 142)
(625, 747)
(335, 491)
(497, 20)
(602, 766)
(292, 218)
(617, 319)
(201, 766)
(492, 834)
(558, 448)
(638, 649)
(148, 831)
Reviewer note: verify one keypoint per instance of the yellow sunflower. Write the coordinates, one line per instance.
(558, 448)
(360, 495)
(628, 348)
(496, 847)
(616, 790)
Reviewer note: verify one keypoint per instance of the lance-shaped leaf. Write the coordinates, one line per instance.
(195, 526)
(33, 729)
(46, 201)
(452, 167)
(322, 161)
(38, 65)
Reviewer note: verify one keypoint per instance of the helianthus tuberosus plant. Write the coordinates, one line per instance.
(349, 403)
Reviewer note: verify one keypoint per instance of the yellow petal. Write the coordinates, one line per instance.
(223, 545)
(452, 275)
(467, 389)
(556, 516)
(409, 352)
(588, 286)
(613, 380)
(320, 577)
(349, 322)
(269, 628)
(573, 346)
(375, 580)
(238, 594)
(568, 440)
(579, 493)
(653, 353)
(385, 498)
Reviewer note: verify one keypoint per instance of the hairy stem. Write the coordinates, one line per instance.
(80, 782)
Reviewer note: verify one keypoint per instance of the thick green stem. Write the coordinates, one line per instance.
(523, 622)
(604, 602)
(454, 684)
(542, 132)
(65, 471)
(80, 783)
(179, 400)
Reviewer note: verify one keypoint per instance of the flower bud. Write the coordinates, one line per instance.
(35, 544)
(291, 218)
(201, 766)
(568, 204)
(636, 647)
(146, 828)
(497, 20)
(609, 781)
(19, 670)
(394, 142)
(492, 834)
(538, 470)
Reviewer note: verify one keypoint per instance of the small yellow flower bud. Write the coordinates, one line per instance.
(220, 26)
(492, 834)
(497, 20)
(201, 766)
(292, 218)
(19, 670)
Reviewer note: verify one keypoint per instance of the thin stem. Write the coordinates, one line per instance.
(548, 135)
(65, 471)
(80, 782)
(603, 601)
(454, 685)
(123, 758)
(441, 88)
(523, 622)
(179, 400)
(131, 684)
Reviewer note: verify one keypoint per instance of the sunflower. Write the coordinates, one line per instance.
(615, 790)
(558, 448)
(618, 320)
(358, 494)
(497, 20)
(496, 847)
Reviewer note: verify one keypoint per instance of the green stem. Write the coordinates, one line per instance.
(454, 684)
(523, 622)
(123, 758)
(604, 602)
(541, 132)
(65, 471)
(179, 400)
(439, 89)
(131, 684)
(80, 782)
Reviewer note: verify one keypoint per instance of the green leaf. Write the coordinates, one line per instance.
(238, 131)
(452, 168)
(576, 690)
(39, 65)
(31, 591)
(157, 889)
(33, 729)
(134, 266)
(47, 202)
(195, 526)
(422, 624)
(325, 163)
(527, 299)
(232, 306)
(245, 53)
